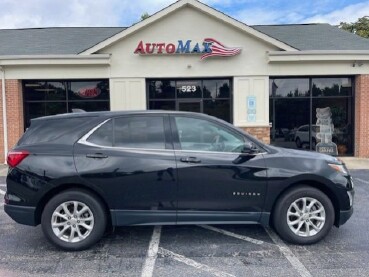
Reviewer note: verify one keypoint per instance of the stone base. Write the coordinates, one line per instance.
(261, 133)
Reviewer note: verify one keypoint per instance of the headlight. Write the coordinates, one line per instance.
(339, 167)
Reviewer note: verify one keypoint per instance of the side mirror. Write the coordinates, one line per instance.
(249, 148)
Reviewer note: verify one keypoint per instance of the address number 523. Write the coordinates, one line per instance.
(188, 88)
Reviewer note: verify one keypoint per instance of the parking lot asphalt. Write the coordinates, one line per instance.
(226, 250)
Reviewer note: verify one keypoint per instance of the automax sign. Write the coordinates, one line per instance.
(208, 48)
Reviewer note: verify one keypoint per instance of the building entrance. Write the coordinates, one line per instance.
(209, 96)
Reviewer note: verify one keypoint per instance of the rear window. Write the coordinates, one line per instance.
(131, 132)
(50, 130)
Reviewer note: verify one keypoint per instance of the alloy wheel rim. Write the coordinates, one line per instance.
(72, 221)
(306, 217)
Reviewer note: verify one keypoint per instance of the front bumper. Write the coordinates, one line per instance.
(345, 215)
(21, 214)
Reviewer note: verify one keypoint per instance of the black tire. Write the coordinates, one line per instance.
(284, 202)
(88, 199)
(298, 143)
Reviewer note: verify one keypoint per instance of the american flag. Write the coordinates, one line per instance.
(219, 49)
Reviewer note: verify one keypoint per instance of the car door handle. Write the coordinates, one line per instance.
(191, 160)
(96, 156)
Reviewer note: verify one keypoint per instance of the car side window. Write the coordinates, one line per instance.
(139, 132)
(203, 135)
(103, 136)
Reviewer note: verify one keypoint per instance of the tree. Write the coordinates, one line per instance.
(145, 16)
(360, 27)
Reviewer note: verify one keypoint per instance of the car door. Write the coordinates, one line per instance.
(131, 160)
(216, 182)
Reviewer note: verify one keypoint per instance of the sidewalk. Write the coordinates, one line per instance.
(355, 163)
(351, 162)
(3, 169)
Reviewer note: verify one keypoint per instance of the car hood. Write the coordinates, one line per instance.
(305, 154)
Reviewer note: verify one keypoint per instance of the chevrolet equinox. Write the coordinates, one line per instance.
(77, 174)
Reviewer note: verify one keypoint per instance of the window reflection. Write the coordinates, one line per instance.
(42, 98)
(163, 89)
(289, 87)
(332, 87)
(216, 89)
(291, 105)
(210, 96)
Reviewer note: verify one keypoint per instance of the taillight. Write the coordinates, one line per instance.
(15, 157)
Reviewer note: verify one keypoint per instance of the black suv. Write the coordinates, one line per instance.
(77, 174)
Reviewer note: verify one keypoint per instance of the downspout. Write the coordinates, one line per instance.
(5, 124)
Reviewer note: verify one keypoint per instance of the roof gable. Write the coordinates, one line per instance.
(199, 6)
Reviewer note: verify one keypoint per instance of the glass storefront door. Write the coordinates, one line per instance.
(209, 96)
(189, 106)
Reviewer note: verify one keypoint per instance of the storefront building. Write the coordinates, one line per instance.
(268, 80)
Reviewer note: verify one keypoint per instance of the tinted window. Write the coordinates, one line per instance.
(162, 105)
(162, 89)
(202, 135)
(189, 89)
(139, 132)
(50, 130)
(332, 87)
(44, 90)
(216, 88)
(88, 90)
(42, 98)
(289, 87)
(103, 136)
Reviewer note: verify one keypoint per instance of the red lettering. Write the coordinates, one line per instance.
(148, 50)
(140, 48)
(171, 48)
(160, 46)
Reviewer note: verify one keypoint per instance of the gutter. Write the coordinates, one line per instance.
(95, 59)
(318, 55)
(5, 123)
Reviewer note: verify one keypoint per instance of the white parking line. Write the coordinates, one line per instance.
(227, 233)
(190, 262)
(362, 181)
(152, 253)
(294, 261)
(2, 192)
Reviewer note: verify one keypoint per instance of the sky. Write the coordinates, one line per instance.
(111, 13)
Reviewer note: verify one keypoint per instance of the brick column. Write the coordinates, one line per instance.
(362, 116)
(14, 114)
(261, 133)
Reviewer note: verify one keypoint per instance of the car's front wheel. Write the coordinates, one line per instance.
(303, 215)
(74, 220)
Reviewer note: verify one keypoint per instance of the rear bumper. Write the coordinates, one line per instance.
(345, 215)
(21, 214)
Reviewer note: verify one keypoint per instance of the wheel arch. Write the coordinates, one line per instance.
(51, 193)
(317, 185)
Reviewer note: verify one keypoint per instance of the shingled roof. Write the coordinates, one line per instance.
(53, 41)
(74, 40)
(315, 37)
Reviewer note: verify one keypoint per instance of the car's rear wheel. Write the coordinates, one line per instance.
(74, 220)
(303, 215)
